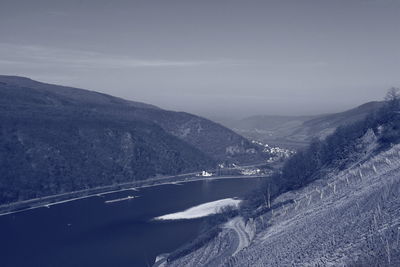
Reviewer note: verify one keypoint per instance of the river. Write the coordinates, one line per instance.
(100, 231)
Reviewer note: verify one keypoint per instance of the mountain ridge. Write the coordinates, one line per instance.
(63, 142)
(298, 131)
(170, 121)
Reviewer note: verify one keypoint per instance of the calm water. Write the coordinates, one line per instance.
(89, 232)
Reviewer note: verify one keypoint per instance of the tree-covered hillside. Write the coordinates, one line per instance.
(44, 152)
(56, 139)
(349, 144)
(211, 138)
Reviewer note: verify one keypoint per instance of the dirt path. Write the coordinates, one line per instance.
(238, 225)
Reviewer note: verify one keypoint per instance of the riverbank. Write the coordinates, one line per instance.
(48, 201)
(81, 231)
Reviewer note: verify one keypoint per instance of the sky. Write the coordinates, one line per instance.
(216, 58)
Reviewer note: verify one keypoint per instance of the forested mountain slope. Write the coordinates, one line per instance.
(57, 139)
(211, 138)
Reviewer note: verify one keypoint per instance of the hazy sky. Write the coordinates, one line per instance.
(216, 57)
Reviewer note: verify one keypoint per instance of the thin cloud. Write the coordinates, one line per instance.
(47, 56)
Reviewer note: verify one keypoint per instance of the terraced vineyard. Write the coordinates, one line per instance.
(352, 218)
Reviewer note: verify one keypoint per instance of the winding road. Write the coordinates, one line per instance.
(238, 225)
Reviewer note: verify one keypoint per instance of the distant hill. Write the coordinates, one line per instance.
(298, 131)
(58, 139)
(24, 90)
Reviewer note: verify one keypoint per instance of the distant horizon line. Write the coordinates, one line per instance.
(198, 113)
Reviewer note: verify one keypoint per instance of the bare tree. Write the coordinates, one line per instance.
(393, 98)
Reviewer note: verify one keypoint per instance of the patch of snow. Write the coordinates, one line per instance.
(202, 210)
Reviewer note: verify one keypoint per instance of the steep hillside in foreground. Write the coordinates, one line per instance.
(298, 131)
(57, 139)
(351, 218)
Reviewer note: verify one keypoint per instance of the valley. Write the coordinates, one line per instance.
(270, 194)
(296, 132)
(223, 133)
